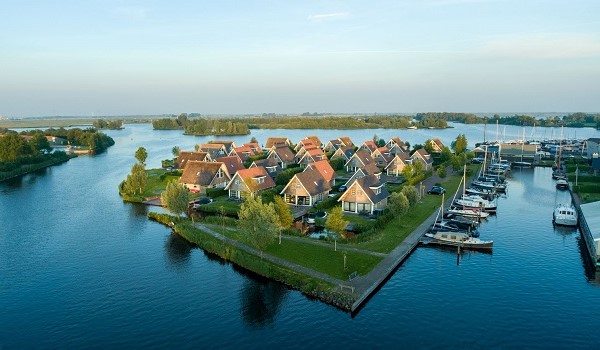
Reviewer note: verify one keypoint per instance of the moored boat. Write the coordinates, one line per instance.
(458, 239)
(564, 215)
(562, 184)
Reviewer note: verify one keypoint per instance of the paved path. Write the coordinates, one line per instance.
(272, 258)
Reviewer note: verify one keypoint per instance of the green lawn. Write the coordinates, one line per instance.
(155, 185)
(397, 230)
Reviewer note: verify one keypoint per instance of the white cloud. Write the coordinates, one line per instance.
(327, 16)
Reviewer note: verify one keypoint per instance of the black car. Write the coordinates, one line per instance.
(437, 190)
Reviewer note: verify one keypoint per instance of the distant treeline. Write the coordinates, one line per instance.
(572, 120)
(237, 126)
(202, 126)
(113, 124)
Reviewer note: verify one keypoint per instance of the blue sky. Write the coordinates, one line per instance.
(235, 57)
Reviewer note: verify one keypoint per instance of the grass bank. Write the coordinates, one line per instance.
(308, 285)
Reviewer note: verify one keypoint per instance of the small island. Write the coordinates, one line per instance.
(258, 207)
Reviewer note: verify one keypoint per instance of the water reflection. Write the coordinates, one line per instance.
(588, 265)
(138, 209)
(178, 250)
(261, 300)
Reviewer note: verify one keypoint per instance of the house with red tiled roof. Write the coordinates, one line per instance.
(249, 182)
(382, 156)
(242, 152)
(303, 151)
(365, 196)
(395, 145)
(232, 163)
(254, 146)
(395, 167)
(310, 156)
(304, 144)
(272, 141)
(368, 146)
(358, 160)
(315, 140)
(186, 156)
(198, 176)
(325, 169)
(229, 145)
(421, 155)
(346, 141)
(436, 145)
(306, 188)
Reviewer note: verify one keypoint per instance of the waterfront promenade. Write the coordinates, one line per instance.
(360, 287)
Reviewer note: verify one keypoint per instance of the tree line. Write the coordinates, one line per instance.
(113, 124)
(571, 120)
(202, 126)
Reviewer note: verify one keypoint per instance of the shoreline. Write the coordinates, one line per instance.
(38, 166)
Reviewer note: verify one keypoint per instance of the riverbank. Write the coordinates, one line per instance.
(29, 168)
(344, 276)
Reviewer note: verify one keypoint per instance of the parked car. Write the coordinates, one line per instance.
(342, 188)
(200, 201)
(437, 190)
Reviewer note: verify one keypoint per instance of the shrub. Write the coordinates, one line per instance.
(215, 192)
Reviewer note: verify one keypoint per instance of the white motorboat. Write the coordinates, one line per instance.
(564, 215)
(458, 239)
(469, 213)
(562, 184)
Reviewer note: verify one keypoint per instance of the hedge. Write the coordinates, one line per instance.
(216, 192)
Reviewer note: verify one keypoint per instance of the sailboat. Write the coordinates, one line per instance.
(522, 164)
(559, 173)
(469, 212)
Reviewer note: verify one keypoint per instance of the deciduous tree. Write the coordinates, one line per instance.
(398, 205)
(411, 194)
(259, 222)
(283, 212)
(335, 221)
(141, 155)
(175, 198)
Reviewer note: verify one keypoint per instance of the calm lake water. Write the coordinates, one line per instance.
(80, 268)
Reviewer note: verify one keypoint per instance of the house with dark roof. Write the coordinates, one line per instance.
(283, 155)
(368, 146)
(421, 155)
(395, 145)
(242, 152)
(186, 156)
(306, 188)
(592, 147)
(369, 169)
(229, 145)
(310, 156)
(332, 146)
(232, 163)
(382, 156)
(270, 164)
(325, 169)
(249, 182)
(272, 141)
(358, 160)
(215, 150)
(198, 176)
(344, 153)
(365, 196)
(302, 151)
(397, 164)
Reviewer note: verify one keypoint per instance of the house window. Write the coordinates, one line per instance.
(359, 192)
(237, 181)
(353, 192)
(219, 174)
(298, 186)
